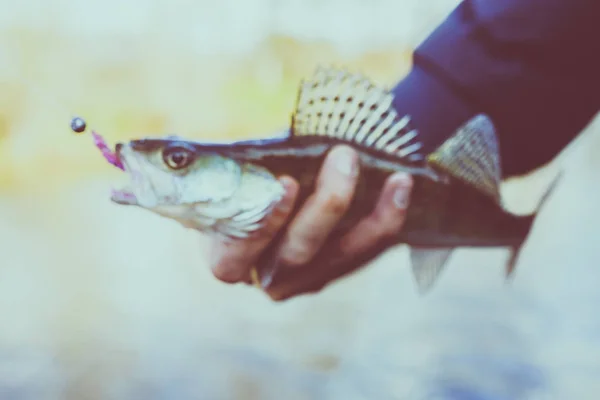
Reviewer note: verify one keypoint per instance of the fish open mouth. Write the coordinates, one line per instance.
(124, 195)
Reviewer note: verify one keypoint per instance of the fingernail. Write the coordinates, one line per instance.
(344, 161)
(401, 195)
(268, 274)
(401, 198)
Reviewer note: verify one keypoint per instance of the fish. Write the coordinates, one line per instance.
(229, 188)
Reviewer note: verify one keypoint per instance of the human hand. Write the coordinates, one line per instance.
(232, 261)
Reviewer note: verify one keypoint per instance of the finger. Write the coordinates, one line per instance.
(323, 210)
(368, 239)
(386, 219)
(231, 259)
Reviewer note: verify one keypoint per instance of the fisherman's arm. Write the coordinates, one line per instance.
(533, 66)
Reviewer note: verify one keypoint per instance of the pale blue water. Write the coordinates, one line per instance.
(122, 307)
(476, 338)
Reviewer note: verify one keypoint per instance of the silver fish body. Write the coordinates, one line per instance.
(231, 188)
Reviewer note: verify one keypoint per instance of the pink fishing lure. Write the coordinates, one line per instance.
(78, 125)
(108, 154)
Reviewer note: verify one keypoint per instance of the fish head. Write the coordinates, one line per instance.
(197, 185)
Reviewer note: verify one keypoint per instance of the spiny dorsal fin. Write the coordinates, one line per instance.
(347, 106)
(427, 264)
(472, 155)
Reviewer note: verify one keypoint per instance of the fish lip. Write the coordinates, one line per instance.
(118, 148)
(123, 196)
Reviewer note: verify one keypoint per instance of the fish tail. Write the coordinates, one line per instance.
(547, 194)
(516, 250)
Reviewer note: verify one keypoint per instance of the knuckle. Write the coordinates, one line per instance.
(266, 232)
(335, 204)
(297, 255)
(391, 225)
(268, 228)
(389, 231)
(278, 297)
(274, 224)
(282, 208)
(280, 212)
(302, 249)
(227, 274)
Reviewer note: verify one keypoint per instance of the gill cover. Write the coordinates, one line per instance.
(210, 178)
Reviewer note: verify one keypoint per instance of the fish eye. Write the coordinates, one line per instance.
(177, 157)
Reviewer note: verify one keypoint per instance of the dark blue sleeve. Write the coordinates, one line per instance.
(532, 65)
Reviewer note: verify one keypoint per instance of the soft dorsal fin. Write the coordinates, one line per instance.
(472, 155)
(350, 107)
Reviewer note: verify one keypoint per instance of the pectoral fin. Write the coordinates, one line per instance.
(427, 264)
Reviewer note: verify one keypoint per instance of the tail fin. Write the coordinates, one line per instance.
(516, 251)
(549, 191)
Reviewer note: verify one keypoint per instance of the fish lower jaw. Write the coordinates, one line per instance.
(123, 192)
(124, 196)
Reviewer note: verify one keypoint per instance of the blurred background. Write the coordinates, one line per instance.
(103, 302)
